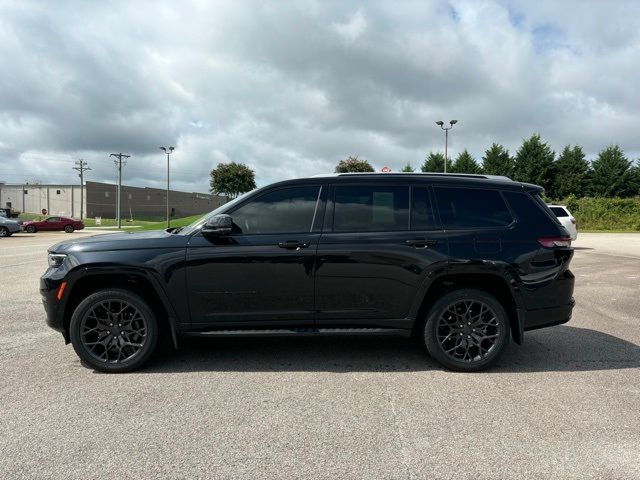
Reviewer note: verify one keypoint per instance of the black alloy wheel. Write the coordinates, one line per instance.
(466, 330)
(114, 331)
(4, 232)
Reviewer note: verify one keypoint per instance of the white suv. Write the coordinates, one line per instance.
(566, 219)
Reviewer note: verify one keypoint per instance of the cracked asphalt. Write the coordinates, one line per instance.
(564, 405)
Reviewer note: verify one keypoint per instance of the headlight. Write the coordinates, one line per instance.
(56, 259)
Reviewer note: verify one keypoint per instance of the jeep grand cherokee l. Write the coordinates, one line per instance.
(463, 262)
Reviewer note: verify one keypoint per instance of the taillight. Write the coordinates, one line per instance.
(550, 242)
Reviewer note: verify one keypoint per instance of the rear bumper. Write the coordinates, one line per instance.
(547, 317)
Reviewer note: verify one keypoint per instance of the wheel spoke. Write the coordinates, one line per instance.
(467, 330)
(113, 331)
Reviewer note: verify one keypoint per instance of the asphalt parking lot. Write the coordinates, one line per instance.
(564, 405)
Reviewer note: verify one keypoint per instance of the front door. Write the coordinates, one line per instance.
(381, 247)
(51, 223)
(262, 273)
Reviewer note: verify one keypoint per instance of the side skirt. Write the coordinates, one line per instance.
(288, 332)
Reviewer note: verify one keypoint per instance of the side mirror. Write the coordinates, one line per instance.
(218, 225)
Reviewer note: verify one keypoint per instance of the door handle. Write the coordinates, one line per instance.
(291, 244)
(421, 242)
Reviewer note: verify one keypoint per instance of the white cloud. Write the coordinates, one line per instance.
(291, 88)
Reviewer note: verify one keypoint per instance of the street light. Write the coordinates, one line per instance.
(168, 151)
(440, 123)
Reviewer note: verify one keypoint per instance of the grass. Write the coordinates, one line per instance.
(135, 225)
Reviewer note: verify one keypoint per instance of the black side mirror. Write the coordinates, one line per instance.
(218, 225)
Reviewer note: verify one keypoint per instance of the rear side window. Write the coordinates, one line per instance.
(471, 208)
(421, 211)
(559, 212)
(371, 208)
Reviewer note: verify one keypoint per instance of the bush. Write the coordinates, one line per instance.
(604, 213)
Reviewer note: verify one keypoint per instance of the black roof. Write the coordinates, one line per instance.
(432, 178)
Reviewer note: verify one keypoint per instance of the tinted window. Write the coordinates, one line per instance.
(371, 208)
(471, 208)
(421, 212)
(53, 219)
(289, 210)
(559, 211)
(530, 209)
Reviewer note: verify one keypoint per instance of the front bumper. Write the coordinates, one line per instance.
(54, 308)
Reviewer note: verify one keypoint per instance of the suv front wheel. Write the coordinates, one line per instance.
(113, 331)
(466, 330)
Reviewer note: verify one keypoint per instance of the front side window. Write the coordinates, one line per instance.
(288, 210)
(371, 208)
(53, 219)
(471, 208)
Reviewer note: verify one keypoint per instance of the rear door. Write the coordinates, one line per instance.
(379, 244)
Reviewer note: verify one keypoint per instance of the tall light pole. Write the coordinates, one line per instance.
(168, 151)
(446, 138)
(118, 162)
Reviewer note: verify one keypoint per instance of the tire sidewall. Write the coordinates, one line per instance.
(4, 232)
(69, 229)
(31, 229)
(114, 294)
(431, 324)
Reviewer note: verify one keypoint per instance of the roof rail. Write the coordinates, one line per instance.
(434, 174)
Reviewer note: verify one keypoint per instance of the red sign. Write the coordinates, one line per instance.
(44, 211)
(386, 169)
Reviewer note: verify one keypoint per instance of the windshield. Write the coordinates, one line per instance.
(201, 221)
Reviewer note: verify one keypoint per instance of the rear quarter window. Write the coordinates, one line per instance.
(471, 208)
(531, 211)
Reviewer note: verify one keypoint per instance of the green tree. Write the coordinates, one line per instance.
(534, 163)
(353, 164)
(464, 163)
(433, 163)
(497, 161)
(572, 173)
(232, 179)
(408, 168)
(612, 174)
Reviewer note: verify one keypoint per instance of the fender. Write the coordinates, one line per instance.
(460, 273)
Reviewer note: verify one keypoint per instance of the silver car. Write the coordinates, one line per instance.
(8, 226)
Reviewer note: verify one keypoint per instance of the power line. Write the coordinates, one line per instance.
(81, 167)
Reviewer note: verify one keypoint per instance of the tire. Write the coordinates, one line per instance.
(470, 313)
(4, 232)
(30, 229)
(96, 336)
(68, 228)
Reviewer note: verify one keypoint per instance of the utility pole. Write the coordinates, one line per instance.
(118, 162)
(81, 167)
(168, 151)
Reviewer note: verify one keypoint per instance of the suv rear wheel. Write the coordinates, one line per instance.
(113, 331)
(466, 330)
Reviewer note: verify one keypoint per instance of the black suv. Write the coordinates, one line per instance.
(463, 262)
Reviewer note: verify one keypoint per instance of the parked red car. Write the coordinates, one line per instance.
(53, 223)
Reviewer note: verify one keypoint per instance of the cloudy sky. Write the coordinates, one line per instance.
(292, 87)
